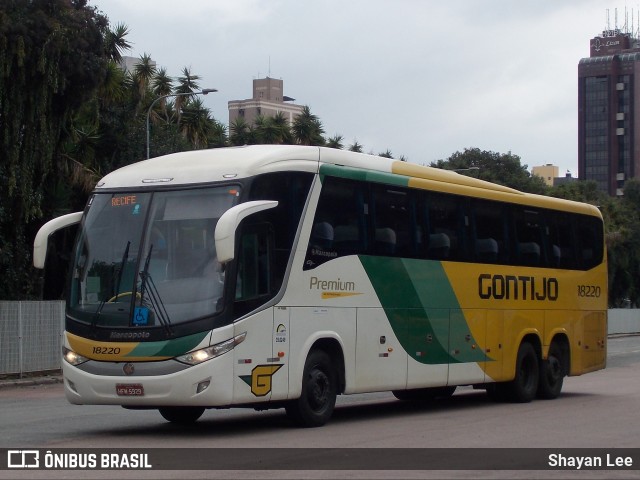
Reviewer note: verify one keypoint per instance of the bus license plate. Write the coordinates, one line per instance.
(129, 390)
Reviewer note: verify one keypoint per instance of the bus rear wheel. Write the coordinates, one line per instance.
(319, 389)
(181, 415)
(551, 374)
(523, 388)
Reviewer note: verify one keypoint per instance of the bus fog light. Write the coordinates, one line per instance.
(202, 386)
(204, 354)
(73, 358)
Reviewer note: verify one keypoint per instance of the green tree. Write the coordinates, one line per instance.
(504, 169)
(52, 59)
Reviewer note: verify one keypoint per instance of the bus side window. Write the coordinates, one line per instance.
(445, 240)
(392, 220)
(339, 225)
(489, 232)
(589, 248)
(528, 237)
(561, 241)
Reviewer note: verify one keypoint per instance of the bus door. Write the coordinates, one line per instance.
(255, 365)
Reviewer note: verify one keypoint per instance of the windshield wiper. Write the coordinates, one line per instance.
(125, 257)
(149, 286)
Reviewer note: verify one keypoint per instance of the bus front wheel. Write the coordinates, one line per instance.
(319, 390)
(182, 415)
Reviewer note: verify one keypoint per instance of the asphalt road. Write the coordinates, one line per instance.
(595, 411)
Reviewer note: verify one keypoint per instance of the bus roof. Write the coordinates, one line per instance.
(223, 164)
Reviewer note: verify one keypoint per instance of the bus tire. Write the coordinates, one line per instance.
(181, 415)
(319, 389)
(523, 388)
(551, 374)
(423, 394)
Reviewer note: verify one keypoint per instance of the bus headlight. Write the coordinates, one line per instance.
(72, 357)
(204, 354)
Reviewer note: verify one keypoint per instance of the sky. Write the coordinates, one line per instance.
(421, 78)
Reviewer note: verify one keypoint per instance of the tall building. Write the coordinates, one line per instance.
(268, 99)
(609, 111)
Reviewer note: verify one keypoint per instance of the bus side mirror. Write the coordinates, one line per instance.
(42, 237)
(225, 234)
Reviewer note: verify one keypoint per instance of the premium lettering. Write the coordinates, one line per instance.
(520, 287)
(335, 285)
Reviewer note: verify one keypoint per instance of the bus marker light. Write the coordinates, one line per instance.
(242, 361)
(281, 354)
(202, 386)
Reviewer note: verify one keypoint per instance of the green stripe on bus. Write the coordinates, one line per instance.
(363, 175)
(419, 302)
(168, 348)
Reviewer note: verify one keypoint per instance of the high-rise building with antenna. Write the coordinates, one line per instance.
(609, 108)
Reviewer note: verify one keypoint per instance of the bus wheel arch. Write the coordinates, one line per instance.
(322, 380)
(554, 368)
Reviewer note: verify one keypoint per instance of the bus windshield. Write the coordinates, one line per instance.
(148, 259)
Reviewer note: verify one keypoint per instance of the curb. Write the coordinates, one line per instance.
(30, 382)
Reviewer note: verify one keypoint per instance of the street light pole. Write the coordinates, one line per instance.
(203, 92)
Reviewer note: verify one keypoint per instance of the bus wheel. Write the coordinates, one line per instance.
(181, 415)
(551, 374)
(319, 390)
(423, 394)
(523, 388)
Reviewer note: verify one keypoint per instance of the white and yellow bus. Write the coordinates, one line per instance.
(283, 276)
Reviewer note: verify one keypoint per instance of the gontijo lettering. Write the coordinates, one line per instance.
(512, 287)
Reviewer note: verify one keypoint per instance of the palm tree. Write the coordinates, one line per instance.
(355, 147)
(335, 142)
(195, 122)
(161, 86)
(283, 127)
(239, 132)
(115, 42)
(307, 128)
(217, 135)
(143, 73)
(187, 83)
(386, 154)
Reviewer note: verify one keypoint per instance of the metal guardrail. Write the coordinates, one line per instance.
(31, 334)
